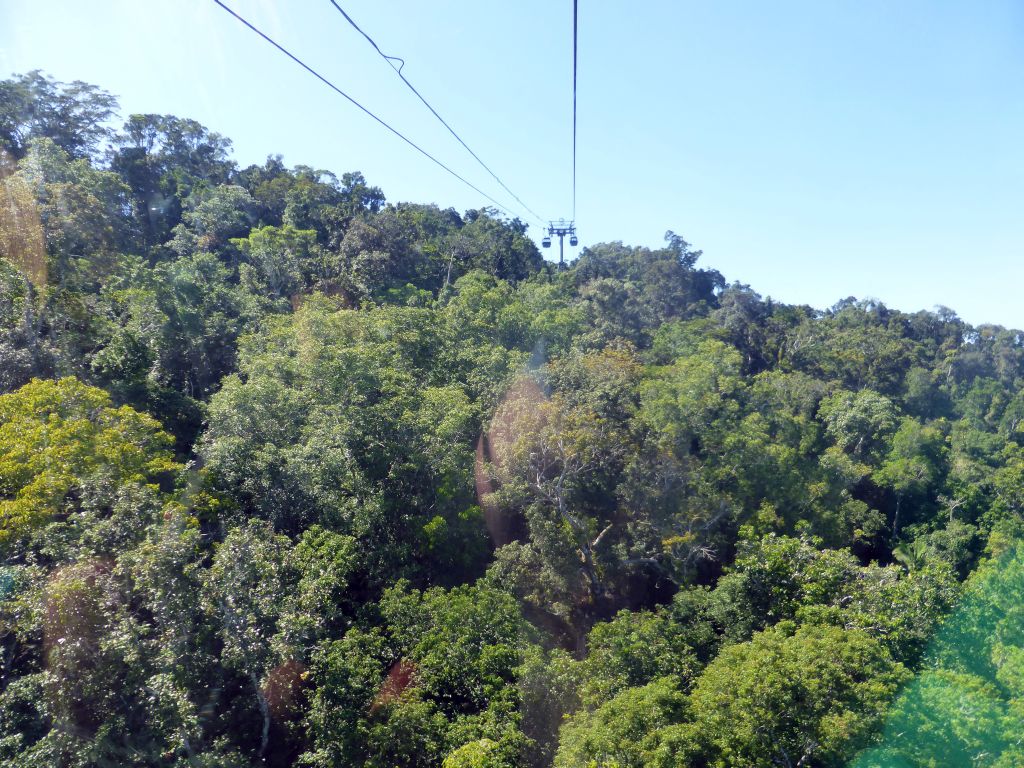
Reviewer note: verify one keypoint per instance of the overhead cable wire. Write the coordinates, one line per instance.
(398, 70)
(575, 18)
(363, 109)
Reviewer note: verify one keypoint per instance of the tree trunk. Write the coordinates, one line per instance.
(896, 519)
(265, 712)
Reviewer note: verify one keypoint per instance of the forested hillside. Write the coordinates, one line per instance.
(294, 476)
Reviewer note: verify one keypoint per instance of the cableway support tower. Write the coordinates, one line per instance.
(560, 229)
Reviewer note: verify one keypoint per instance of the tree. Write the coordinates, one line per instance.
(212, 219)
(628, 292)
(810, 697)
(23, 351)
(437, 675)
(163, 159)
(859, 423)
(634, 649)
(913, 467)
(686, 475)
(945, 718)
(483, 753)
(500, 248)
(558, 461)
(773, 578)
(318, 201)
(858, 344)
(246, 588)
(73, 115)
(163, 578)
(81, 212)
(332, 420)
(964, 706)
(59, 437)
(622, 733)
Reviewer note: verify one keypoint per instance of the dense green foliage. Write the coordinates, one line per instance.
(291, 476)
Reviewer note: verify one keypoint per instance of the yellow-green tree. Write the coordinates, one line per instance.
(56, 437)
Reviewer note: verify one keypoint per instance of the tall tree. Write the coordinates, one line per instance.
(73, 115)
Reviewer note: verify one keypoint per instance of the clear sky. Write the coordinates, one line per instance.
(814, 149)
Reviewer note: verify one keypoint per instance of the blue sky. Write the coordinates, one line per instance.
(813, 150)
